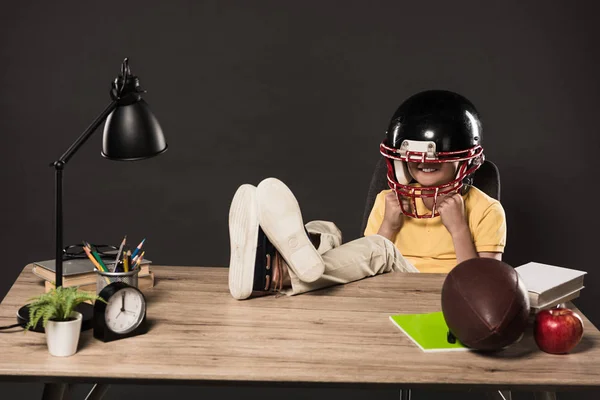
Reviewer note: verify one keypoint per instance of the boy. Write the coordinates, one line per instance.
(430, 220)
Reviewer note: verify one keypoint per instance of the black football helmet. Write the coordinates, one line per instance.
(433, 126)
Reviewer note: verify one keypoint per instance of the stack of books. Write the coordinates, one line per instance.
(80, 272)
(550, 285)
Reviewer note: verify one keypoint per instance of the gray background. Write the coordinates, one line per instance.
(298, 90)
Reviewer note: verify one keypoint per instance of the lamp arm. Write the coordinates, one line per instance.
(58, 167)
(86, 134)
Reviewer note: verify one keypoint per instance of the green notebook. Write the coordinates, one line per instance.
(428, 331)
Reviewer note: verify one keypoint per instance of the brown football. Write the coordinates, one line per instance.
(485, 304)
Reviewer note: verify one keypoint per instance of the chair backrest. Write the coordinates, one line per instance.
(486, 178)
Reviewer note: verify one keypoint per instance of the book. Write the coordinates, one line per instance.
(77, 266)
(428, 331)
(144, 282)
(78, 279)
(548, 283)
(559, 300)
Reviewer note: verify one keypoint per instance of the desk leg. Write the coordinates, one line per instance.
(404, 394)
(545, 396)
(499, 395)
(97, 392)
(55, 391)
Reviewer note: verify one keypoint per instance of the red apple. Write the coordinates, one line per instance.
(558, 330)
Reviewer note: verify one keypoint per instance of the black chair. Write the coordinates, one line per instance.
(486, 179)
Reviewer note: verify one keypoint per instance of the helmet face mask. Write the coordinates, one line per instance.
(432, 127)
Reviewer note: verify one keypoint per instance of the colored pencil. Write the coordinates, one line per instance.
(119, 253)
(92, 259)
(136, 258)
(138, 248)
(99, 259)
(139, 260)
(126, 261)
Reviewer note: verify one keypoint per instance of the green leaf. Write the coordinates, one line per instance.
(57, 305)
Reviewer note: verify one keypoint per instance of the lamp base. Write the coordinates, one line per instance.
(86, 310)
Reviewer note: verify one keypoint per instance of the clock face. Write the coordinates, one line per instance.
(124, 311)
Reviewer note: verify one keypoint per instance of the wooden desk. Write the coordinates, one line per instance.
(337, 337)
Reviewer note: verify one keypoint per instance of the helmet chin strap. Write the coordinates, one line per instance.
(402, 175)
(467, 180)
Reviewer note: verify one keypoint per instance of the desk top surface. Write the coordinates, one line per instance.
(341, 335)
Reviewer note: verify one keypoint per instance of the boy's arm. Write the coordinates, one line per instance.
(463, 242)
(392, 218)
(465, 248)
(385, 218)
(490, 234)
(488, 254)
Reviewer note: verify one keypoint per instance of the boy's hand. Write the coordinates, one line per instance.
(392, 217)
(452, 211)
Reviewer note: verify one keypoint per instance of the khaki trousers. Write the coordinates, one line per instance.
(348, 262)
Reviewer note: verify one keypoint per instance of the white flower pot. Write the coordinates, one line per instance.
(63, 336)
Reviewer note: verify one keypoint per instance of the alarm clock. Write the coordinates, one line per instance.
(122, 316)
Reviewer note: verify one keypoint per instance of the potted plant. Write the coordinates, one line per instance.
(61, 323)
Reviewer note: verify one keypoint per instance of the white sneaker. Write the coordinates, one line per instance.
(255, 265)
(243, 237)
(281, 220)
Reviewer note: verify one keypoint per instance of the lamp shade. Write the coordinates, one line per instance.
(132, 133)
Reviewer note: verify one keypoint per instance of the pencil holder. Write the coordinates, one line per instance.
(104, 279)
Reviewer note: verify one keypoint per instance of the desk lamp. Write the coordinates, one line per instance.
(131, 133)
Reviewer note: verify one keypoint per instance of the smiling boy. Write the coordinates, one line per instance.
(433, 214)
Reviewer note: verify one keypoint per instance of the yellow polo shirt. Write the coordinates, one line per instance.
(427, 244)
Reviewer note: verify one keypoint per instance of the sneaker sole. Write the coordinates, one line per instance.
(243, 236)
(280, 218)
